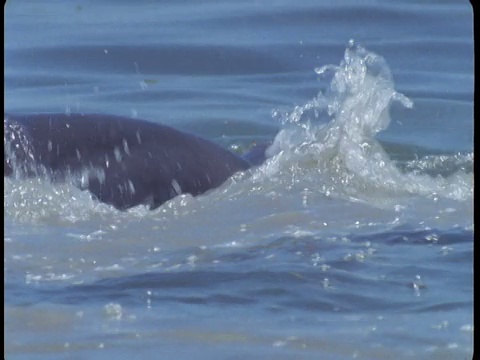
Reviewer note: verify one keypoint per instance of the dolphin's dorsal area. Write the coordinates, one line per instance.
(121, 161)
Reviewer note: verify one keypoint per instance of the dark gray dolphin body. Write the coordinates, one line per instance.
(121, 161)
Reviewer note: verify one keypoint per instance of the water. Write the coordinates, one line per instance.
(353, 240)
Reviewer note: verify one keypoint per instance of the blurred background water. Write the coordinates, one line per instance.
(353, 240)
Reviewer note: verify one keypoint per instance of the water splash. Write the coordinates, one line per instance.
(342, 157)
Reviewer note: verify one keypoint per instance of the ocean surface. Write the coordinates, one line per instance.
(354, 240)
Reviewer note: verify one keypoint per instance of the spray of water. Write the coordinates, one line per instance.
(343, 157)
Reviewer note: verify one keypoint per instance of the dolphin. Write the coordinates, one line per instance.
(123, 162)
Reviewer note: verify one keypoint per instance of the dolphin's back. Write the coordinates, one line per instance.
(123, 162)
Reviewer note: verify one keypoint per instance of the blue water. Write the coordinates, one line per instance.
(353, 240)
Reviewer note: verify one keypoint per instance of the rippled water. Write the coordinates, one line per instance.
(353, 240)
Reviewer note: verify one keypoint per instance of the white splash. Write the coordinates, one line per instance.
(342, 156)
